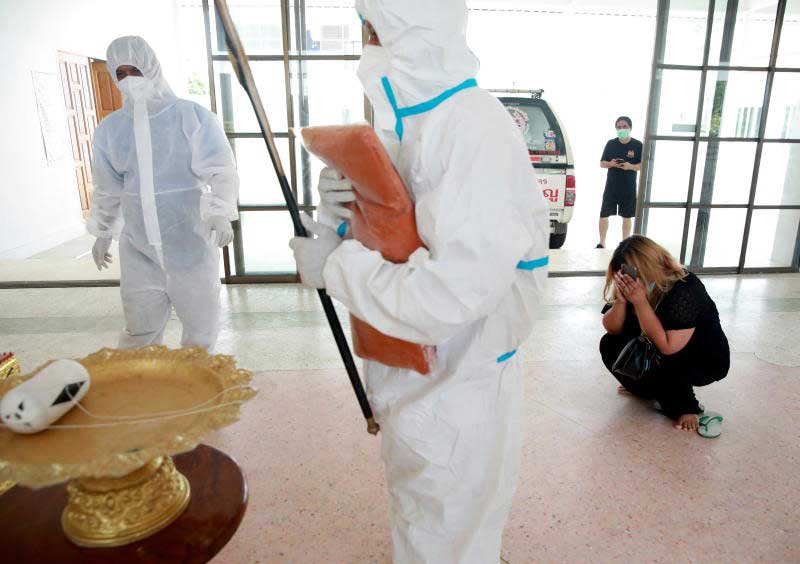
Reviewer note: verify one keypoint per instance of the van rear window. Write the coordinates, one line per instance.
(541, 133)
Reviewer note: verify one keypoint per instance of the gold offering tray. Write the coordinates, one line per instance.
(152, 402)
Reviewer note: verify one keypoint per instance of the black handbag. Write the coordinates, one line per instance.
(638, 359)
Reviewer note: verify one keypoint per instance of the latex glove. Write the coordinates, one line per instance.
(218, 230)
(334, 191)
(310, 254)
(100, 254)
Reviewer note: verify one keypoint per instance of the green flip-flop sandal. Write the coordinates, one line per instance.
(710, 425)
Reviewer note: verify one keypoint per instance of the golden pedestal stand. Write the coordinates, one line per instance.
(123, 485)
(113, 512)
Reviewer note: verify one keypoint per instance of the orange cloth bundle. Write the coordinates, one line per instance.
(383, 221)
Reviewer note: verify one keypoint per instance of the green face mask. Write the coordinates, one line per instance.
(623, 134)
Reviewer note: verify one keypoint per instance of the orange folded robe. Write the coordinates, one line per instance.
(383, 220)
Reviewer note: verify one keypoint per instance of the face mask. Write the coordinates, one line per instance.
(623, 134)
(373, 67)
(135, 87)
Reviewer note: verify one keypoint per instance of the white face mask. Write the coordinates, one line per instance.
(374, 65)
(135, 87)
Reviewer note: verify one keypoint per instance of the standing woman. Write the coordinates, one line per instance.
(671, 306)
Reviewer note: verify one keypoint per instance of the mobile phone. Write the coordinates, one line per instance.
(619, 161)
(631, 271)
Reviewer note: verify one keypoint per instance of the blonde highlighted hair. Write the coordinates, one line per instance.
(654, 263)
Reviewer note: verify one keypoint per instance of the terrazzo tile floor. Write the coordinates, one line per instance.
(604, 478)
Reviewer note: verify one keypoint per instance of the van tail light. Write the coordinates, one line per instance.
(569, 192)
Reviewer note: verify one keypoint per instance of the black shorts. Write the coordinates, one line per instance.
(618, 201)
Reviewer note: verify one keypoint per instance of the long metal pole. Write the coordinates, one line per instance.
(243, 73)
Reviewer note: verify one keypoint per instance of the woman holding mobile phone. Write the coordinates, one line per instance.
(649, 292)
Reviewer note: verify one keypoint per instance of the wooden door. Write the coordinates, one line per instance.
(76, 82)
(107, 96)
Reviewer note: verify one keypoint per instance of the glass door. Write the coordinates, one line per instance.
(720, 183)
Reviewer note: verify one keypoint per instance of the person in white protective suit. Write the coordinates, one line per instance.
(451, 439)
(166, 186)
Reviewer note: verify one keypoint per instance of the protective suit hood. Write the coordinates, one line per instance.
(135, 51)
(426, 45)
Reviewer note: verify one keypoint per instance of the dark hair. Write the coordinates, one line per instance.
(625, 119)
(618, 258)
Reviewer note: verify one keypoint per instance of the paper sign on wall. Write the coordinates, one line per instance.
(50, 105)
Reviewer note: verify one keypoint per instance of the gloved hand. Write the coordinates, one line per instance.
(218, 230)
(311, 254)
(100, 254)
(335, 190)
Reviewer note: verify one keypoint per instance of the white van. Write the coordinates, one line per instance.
(550, 154)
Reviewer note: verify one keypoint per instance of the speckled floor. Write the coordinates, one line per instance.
(604, 478)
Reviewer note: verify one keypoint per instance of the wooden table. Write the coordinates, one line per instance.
(30, 520)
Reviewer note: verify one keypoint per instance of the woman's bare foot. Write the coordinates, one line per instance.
(688, 422)
(623, 391)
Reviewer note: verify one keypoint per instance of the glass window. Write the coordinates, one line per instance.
(773, 236)
(749, 41)
(194, 63)
(258, 183)
(784, 107)
(723, 244)
(318, 101)
(542, 134)
(732, 103)
(266, 237)
(309, 168)
(332, 27)
(258, 23)
(779, 175)
(665, 227)
(727, 170)
(686, 32)
(677, 113)
(741, 34)
(234, 105)
(669, 165)
(789, 49)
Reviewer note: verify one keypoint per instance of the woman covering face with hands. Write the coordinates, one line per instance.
(650, 293)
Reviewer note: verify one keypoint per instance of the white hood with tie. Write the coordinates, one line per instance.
(143, 97)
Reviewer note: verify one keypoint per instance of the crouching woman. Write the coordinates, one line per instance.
(649, 292)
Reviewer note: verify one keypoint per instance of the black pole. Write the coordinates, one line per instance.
(241, 66)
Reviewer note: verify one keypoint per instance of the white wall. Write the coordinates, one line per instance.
(40, 202)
